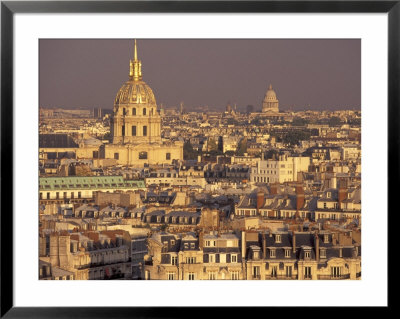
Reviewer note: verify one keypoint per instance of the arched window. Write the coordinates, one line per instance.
(144, 111)
(134, 111)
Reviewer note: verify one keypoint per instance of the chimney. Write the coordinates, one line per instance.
(294, 242)
(243, 245)
(274, 189)
(201, 239)
(264, 246)
(316, 239)
(342, 195)
(260, 200)
(299, 197)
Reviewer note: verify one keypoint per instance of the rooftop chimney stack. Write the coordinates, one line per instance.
(264, 246)
(316, 246)
(342, 195)
(299, 197)
(260, 200)
(274, 189)
(294, 242)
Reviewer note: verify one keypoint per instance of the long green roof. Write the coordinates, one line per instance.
(88, 182)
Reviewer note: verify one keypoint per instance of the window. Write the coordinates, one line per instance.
(134, 111)
(210, 243)
(145, 130)
(72, 195)
(272, 253)
(192, 245)
(95, 154)
(324, 205)
(144, 111)
(170, 275)
(57, 195)
(288, 271)
(255, 255)
(64, 194)
(307, 254)
(48, 195)
(234, 275)
(174, 260)
(133, 130)
(211, 258)
(79, 194)
(234, 258)
(256, 271)
(212, 275)
(326, 238)
(307, 272)
(123, 130)
(287, 253)
(322, 253)
(168, 156)
(143, 155)
(274, 271)
(116, 156)
(336, 272)
(191, 276)
(277, 238)
(190, 260)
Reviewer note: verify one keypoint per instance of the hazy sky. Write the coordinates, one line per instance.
(306, 74)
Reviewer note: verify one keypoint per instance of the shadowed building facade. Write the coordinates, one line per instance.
(136, 125)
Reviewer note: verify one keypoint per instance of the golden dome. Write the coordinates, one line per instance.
(135, 90)
(270, 95)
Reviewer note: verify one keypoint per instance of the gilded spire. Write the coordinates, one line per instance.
(135, 55)
(135, 72)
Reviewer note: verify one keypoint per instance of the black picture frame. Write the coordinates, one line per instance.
(9, 8)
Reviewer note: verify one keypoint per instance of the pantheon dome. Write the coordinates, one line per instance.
(270, 102)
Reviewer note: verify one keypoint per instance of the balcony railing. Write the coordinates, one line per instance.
(329, 277)
(280, 277)
(256, 277)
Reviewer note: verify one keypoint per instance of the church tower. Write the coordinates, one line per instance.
(135, 117)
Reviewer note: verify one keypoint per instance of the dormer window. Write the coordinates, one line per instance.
(272, 253)
(307, 254)
(186, 245)
(192, 245)
(172, 242)
(287, 253)
(326, 239)
(322, 253)
(256, 255)
(277, 238)
(328, 194)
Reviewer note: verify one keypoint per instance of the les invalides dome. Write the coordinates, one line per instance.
(136, 125)
(135, 118)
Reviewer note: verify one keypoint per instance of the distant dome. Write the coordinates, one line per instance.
(270, 102)
(270, 95)
(135, 92)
